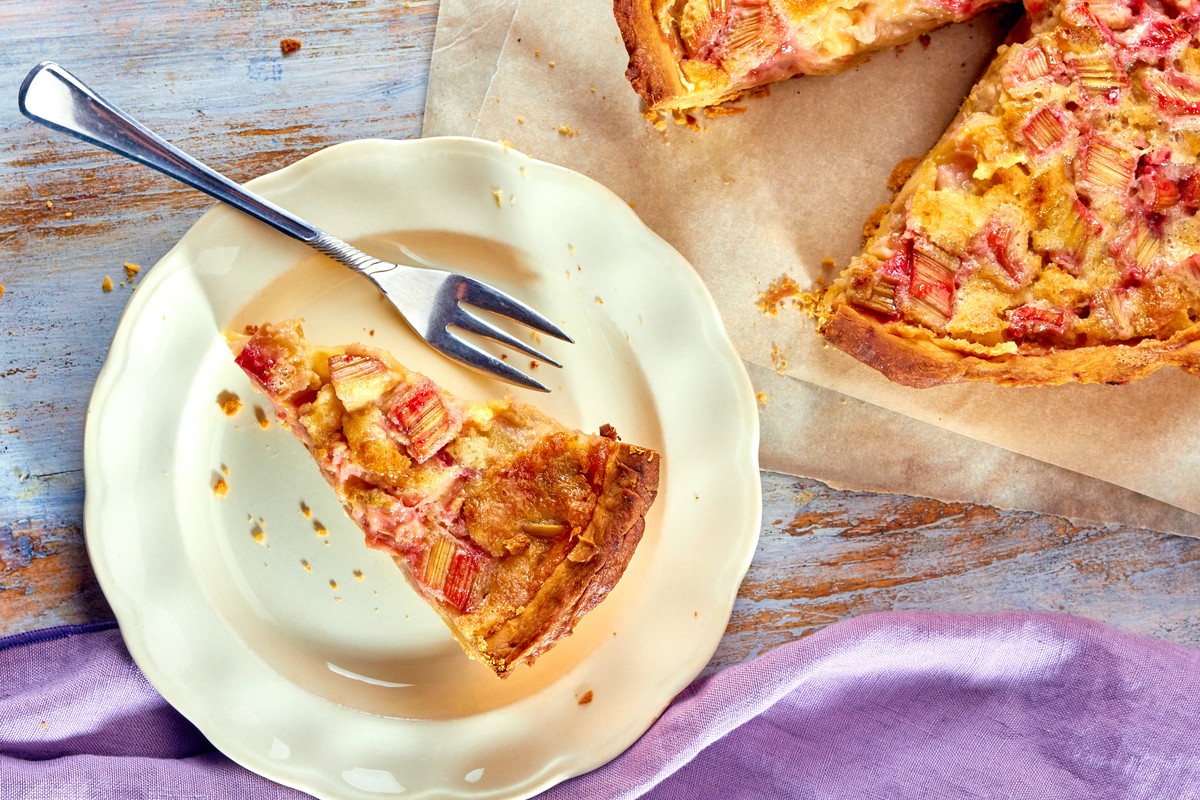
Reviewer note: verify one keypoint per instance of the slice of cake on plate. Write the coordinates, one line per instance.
(508, 523)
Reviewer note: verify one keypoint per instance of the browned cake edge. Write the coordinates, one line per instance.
(576, 586)
(652, 70)
(921, 362)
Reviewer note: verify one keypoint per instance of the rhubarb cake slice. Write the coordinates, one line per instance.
(686, 54)
(1051, 235)
(509, 524)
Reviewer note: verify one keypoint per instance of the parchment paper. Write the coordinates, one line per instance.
(777, 192)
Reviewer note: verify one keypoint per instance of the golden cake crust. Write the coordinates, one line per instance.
(652, 61)
(919, 362)
(591, 570)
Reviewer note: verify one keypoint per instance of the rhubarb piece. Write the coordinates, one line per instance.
(1029, 322)
(425, 419)
(1044, 130)
(544, 530)
(1052, 231)
(358, 379)
(1099, 74)
(689, 54)
(509, 524)
(931, 285)
(1105, 166)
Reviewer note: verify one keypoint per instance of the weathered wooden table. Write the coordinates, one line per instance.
(211, 76)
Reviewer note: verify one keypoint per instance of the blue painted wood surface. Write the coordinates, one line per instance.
(211, 77)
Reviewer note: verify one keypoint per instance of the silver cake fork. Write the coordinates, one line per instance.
(430, 300)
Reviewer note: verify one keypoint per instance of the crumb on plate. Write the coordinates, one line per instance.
(229, 403)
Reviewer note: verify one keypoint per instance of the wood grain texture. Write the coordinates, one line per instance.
(828, 555)
(211, 77)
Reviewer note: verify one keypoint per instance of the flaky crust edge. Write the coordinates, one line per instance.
(652, 69)
(922, 362)
(575, 587)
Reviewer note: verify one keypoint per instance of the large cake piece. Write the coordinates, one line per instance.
(509, 524)
(1051, 235)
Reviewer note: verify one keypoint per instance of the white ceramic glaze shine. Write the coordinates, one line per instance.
(262, 616)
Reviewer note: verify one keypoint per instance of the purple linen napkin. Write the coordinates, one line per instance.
(897, 705)
(925, 705)
(78, 721)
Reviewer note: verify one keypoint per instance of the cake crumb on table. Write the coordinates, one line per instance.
(567, 130)
(781, 289)
(901, 173)
(289, 46)
(716, 112)
(778, 359)
(107, 284)
(131, 270)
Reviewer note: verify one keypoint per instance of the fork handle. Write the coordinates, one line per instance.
(52, 96)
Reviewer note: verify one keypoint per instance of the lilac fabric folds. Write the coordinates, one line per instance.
(78, 721)
(893, 706)
(901, 706)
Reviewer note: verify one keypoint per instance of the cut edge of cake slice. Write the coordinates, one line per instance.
(699, 53)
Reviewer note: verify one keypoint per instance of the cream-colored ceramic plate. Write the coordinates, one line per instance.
(262, 616)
